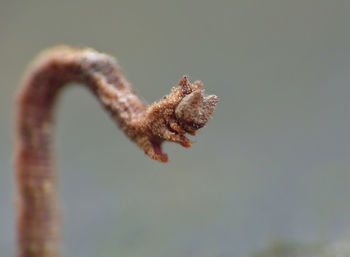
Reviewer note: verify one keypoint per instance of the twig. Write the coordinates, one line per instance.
(184, 110)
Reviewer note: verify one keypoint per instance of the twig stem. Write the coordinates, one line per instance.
(183, 111)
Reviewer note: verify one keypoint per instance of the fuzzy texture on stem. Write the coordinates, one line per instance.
(184, 110)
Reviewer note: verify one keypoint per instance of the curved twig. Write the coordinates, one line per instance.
(183, 111)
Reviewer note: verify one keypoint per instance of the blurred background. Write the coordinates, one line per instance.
(270, 170)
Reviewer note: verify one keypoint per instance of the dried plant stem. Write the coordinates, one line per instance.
(183, 111)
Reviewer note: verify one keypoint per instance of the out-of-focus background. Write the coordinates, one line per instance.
(271, 166)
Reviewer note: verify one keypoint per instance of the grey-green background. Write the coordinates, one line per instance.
(272, 164)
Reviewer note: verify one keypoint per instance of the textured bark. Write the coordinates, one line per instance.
(183, 111)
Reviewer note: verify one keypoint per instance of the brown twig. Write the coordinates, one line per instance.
(184, 110)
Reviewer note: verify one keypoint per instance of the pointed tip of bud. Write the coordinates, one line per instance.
(197, 85)
(185, 85)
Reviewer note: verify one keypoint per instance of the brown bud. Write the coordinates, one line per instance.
(194, 110)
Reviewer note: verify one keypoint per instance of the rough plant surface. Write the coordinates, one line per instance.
(183, 111)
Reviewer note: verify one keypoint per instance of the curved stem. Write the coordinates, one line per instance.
(183, 111)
